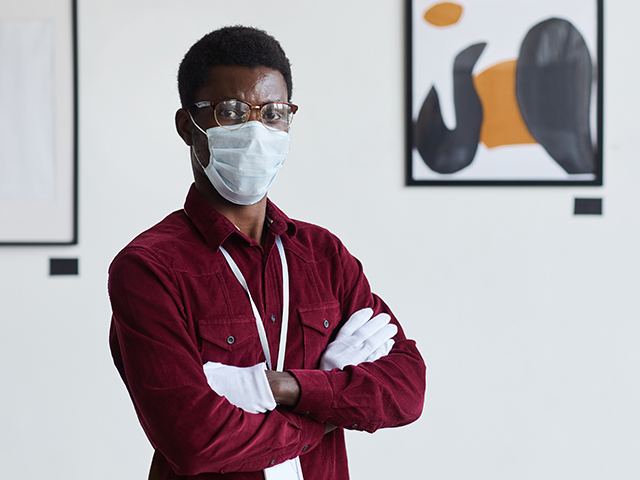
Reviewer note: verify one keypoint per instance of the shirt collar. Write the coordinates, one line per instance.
(216, 228)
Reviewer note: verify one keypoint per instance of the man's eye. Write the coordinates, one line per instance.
(229, 113)
(272, 116)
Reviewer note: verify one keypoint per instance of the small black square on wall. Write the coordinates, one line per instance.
(588, 206)
(63, 266)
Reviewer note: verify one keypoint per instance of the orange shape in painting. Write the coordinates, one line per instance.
(502, 122)
(443, 14)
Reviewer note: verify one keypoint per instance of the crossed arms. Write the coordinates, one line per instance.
(363, 338)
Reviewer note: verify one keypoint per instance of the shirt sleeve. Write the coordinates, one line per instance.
(386, 393)
(157, 356)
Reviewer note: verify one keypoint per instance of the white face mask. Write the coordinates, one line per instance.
(243, 163)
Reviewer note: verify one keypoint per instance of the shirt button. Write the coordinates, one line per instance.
(307, 413)
(231, 339)
(273, 319)
(305, 448)
(355, 425)
(326, 324)
(272, 462)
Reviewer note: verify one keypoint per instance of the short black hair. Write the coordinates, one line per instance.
(230, 47)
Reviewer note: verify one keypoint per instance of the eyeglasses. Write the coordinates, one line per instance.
(234, 114)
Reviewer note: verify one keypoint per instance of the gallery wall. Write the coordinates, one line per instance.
(526, 314)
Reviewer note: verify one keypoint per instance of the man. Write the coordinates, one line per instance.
(249, 341)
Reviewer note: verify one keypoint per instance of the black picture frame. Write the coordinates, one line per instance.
(436, 151)
(28, 216)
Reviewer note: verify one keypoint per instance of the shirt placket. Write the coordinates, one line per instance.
(272, 301)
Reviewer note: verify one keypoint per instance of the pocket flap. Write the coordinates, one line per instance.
(229, 336)
(322, 318)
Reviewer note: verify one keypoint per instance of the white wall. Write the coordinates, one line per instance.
(527, 315)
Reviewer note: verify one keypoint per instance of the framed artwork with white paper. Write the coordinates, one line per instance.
(38, 123)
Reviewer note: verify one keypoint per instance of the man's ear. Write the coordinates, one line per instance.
(183, 126)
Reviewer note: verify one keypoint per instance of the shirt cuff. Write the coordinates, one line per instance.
(316, 394)
(312, 432)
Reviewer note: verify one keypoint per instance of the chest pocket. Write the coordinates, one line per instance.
(232, 343)
(318, 324)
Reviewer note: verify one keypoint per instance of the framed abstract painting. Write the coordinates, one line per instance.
(504, 92)
(38, 123)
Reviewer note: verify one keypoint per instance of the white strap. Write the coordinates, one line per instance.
(289, 470)
(285, 306)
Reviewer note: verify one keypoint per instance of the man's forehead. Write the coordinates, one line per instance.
(240, 81)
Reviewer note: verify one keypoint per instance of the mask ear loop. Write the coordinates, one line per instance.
(194, 122)
(192, 147)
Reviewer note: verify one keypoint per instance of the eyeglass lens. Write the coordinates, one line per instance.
(234, 114)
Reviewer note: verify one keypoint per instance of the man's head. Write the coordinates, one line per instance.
(230, 46)
(234, 87)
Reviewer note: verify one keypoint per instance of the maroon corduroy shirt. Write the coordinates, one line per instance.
(177, 305)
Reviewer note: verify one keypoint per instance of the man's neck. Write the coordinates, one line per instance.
(249, 219)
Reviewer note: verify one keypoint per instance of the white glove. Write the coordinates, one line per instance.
(245, 387)
(361, 339)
